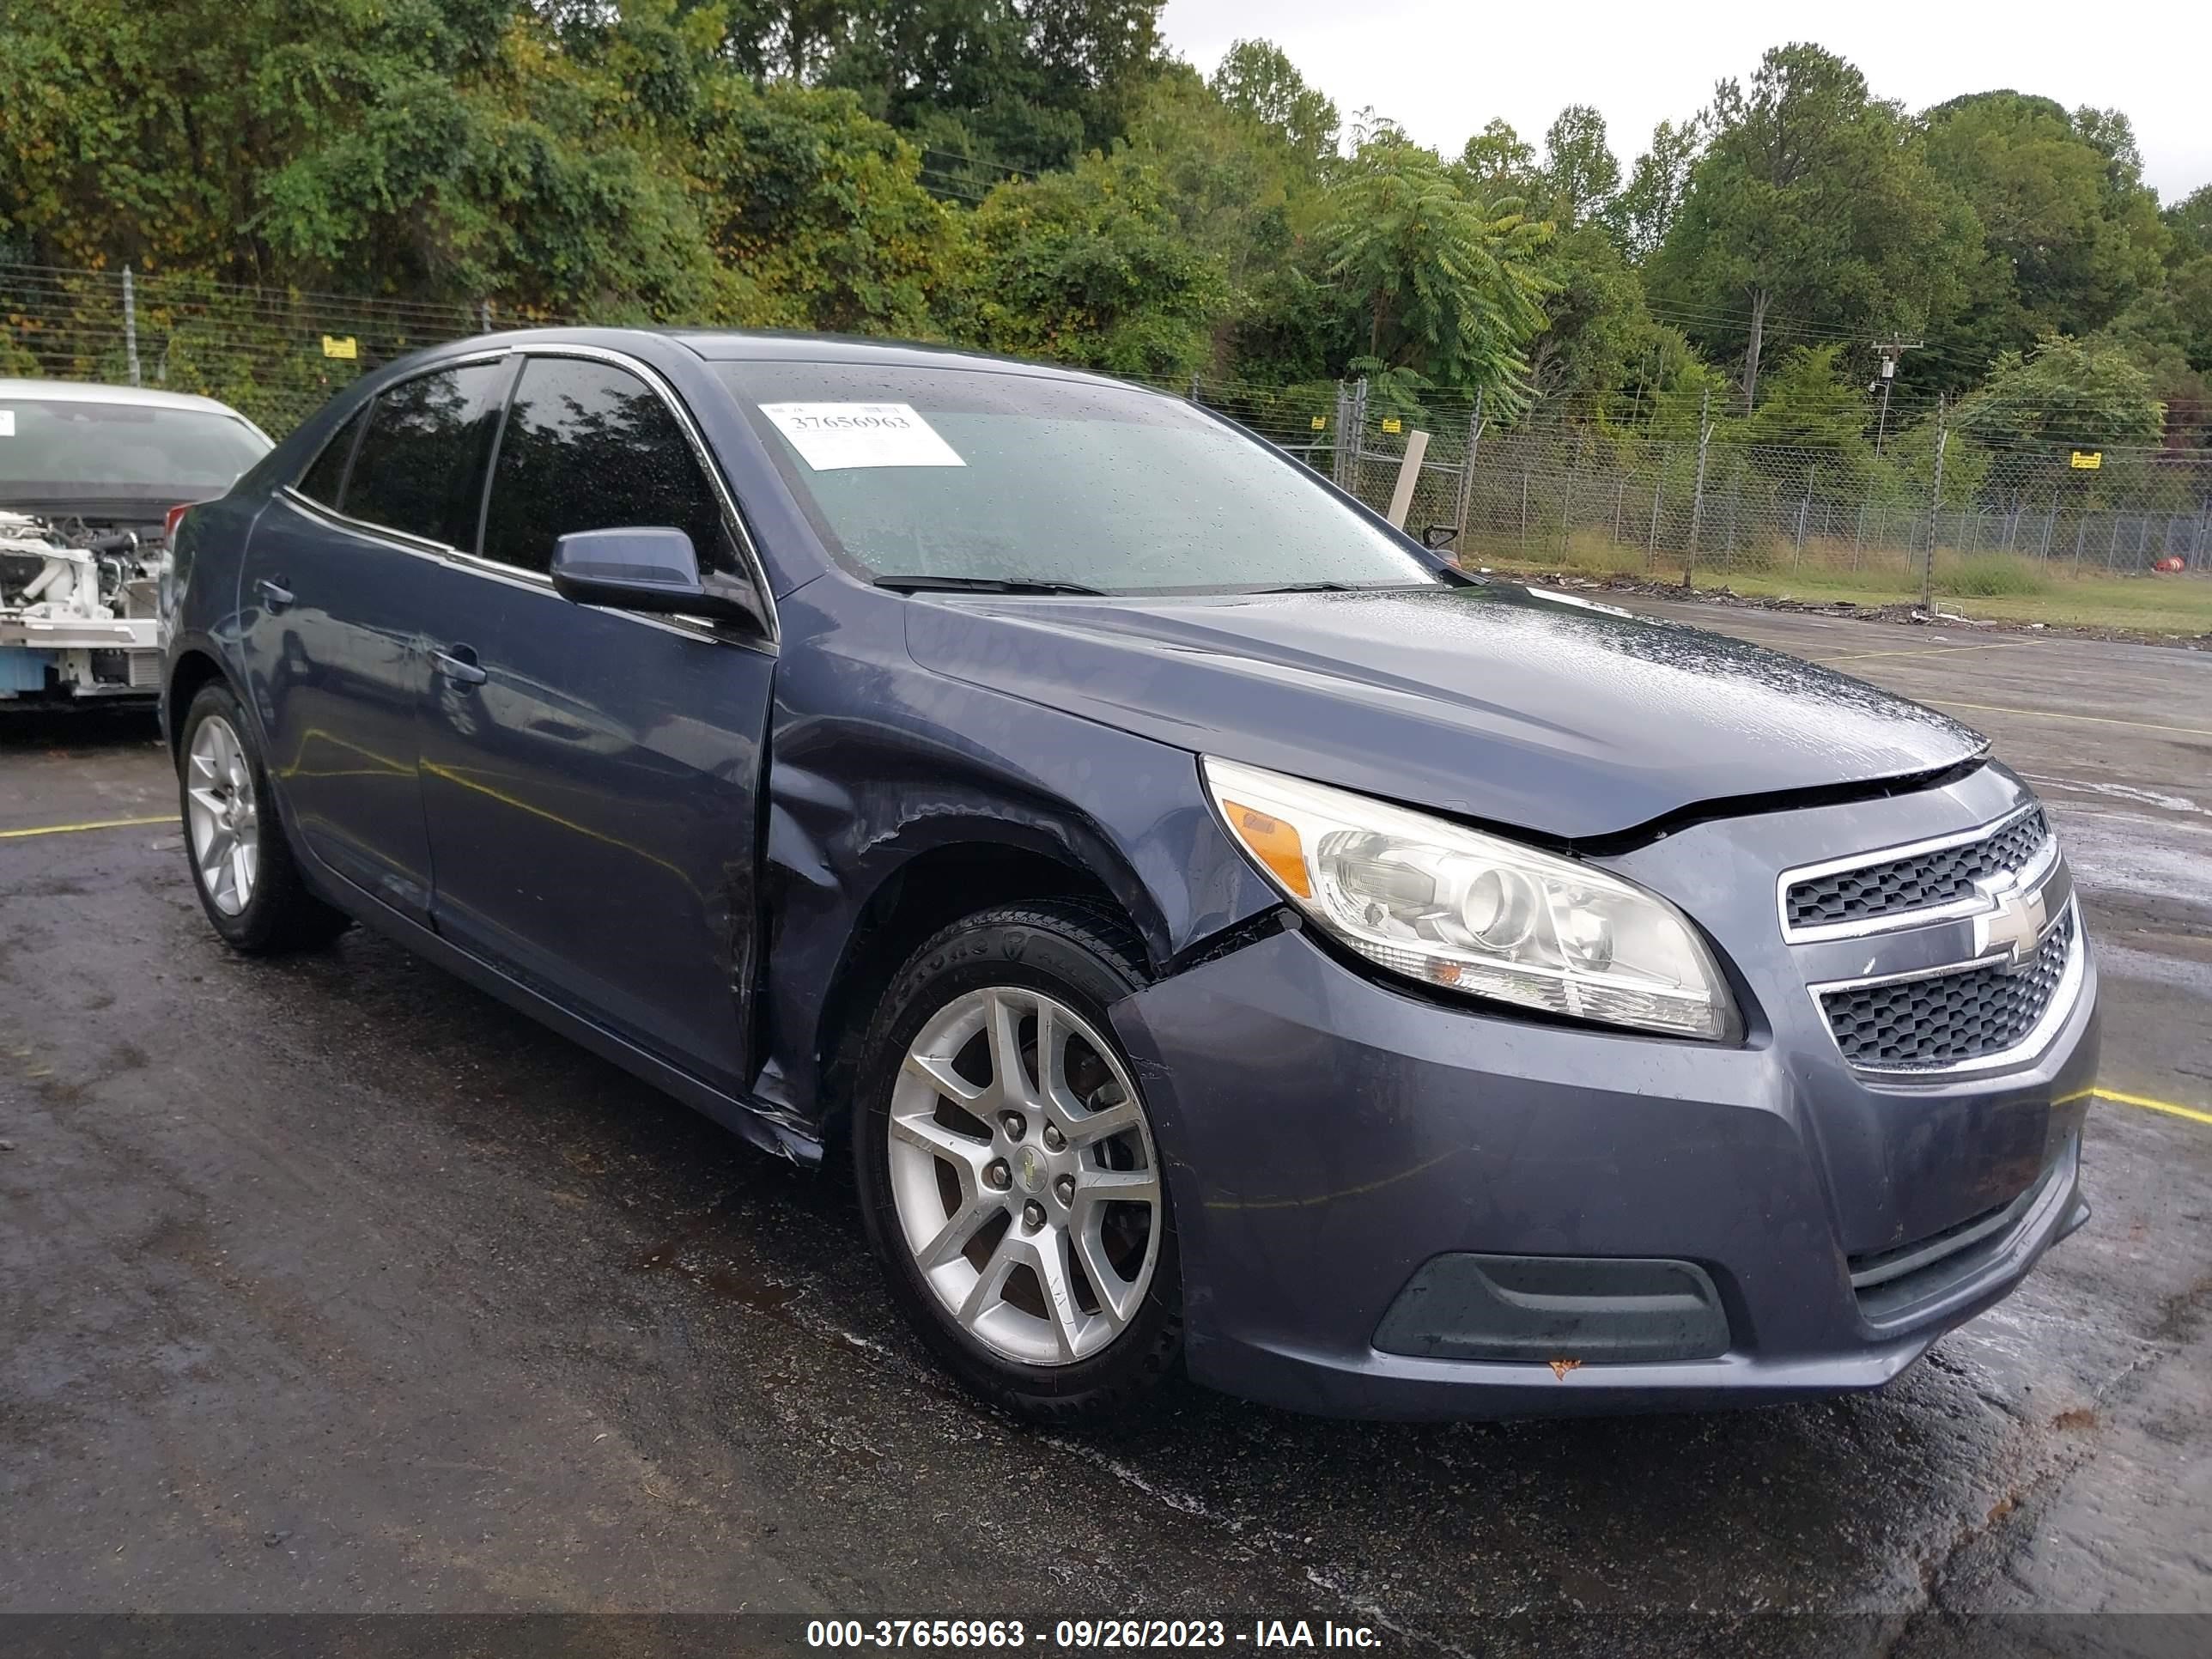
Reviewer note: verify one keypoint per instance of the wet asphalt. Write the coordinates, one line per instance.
(330, 1286)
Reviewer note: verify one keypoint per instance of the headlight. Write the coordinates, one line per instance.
(1475, 914)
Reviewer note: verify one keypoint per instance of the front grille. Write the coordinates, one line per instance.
(145, 671)
(1947, 1018)
(1919, 881)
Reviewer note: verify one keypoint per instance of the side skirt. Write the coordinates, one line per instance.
(762, 1125)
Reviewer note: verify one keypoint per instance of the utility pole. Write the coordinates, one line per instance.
(1891, 351)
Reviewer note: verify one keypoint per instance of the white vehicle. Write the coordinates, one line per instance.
(92, 481)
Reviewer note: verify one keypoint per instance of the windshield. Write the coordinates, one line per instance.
(52, 447)
(961, 473)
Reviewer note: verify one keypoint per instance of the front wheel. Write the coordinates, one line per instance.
(1008, 1171)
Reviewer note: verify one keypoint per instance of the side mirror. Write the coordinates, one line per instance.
(1439, 535)
(644, 569)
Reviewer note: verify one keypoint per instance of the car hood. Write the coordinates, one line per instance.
(1496, 703)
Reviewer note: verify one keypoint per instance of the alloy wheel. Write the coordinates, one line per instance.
(1024, 1177)
(223, 818)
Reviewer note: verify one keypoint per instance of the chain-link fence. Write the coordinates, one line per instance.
(1940, 506)
(1667, 508)
(274, 355)
(1546, 489)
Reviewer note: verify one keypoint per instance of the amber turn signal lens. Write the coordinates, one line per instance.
(1274, 843)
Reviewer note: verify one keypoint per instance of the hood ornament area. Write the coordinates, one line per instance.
(2015, 921)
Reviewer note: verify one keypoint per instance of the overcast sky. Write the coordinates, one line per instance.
(1441, 68)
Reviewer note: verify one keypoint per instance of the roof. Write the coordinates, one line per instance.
(84, 391)
(733, 346)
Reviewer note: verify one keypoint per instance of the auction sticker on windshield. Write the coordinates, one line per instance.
(831, 436)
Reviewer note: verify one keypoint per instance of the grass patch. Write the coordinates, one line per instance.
(1992, 576)
(1991, 587)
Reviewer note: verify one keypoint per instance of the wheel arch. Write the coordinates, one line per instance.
(192, 673)
(929, 890)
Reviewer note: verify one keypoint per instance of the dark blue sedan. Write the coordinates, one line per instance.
(1222, 935)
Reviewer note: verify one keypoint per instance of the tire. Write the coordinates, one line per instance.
(1093, 1198)
(224, 798)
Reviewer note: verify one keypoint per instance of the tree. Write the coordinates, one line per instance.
(822, 211)
(438, 149)
(1815, 197)
(1596, 328)
(1644, 210)
(1580, 175)
(2190, 222)
(1090, 267)
(1256, 79)
(1444, 282)
(1496, 163)
(1810, 402)
(1239, 188)
(2076, 393)
(2069, 242)
(2167, 333)
(1030, 84)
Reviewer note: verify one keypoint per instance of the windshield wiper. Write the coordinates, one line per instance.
(1307, 587)
(981, 585)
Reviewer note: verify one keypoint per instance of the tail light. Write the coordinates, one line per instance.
(171, 520)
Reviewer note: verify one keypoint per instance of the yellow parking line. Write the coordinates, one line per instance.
(2149, 1104)
(2053, 714)
(72, 829)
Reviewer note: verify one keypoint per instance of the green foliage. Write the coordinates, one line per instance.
(2190, 223)
(1596, 329)
(1809, 400)
(1444, 284)
(1581, 174)
(820, 209)
(1255, 79)
(1034, 175)
(2067, 239)
(2065, 392)
(1644, 210)
(1029, 83)
(1090, 267)
(1813, 198)
(1238, 189)
(1496, 163)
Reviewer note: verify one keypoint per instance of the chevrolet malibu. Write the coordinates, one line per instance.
(1221, 935)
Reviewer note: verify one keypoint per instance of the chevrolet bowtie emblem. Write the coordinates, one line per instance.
(2014, 923)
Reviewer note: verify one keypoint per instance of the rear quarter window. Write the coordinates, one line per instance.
(324, 481)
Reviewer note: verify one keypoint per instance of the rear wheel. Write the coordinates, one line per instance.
(1008, 1170)
(242, 867)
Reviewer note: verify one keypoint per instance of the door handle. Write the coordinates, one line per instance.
(273, 595)
(459, 665)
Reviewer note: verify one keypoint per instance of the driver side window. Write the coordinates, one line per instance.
(589, 445)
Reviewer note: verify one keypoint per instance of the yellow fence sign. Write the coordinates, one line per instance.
(2088, 460)
(344, 346)
(1394, 424)
(1320, 424)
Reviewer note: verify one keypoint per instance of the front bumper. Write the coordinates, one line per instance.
(1328, 1135)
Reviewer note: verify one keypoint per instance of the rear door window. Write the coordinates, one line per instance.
(420, 466)
(591, 446)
